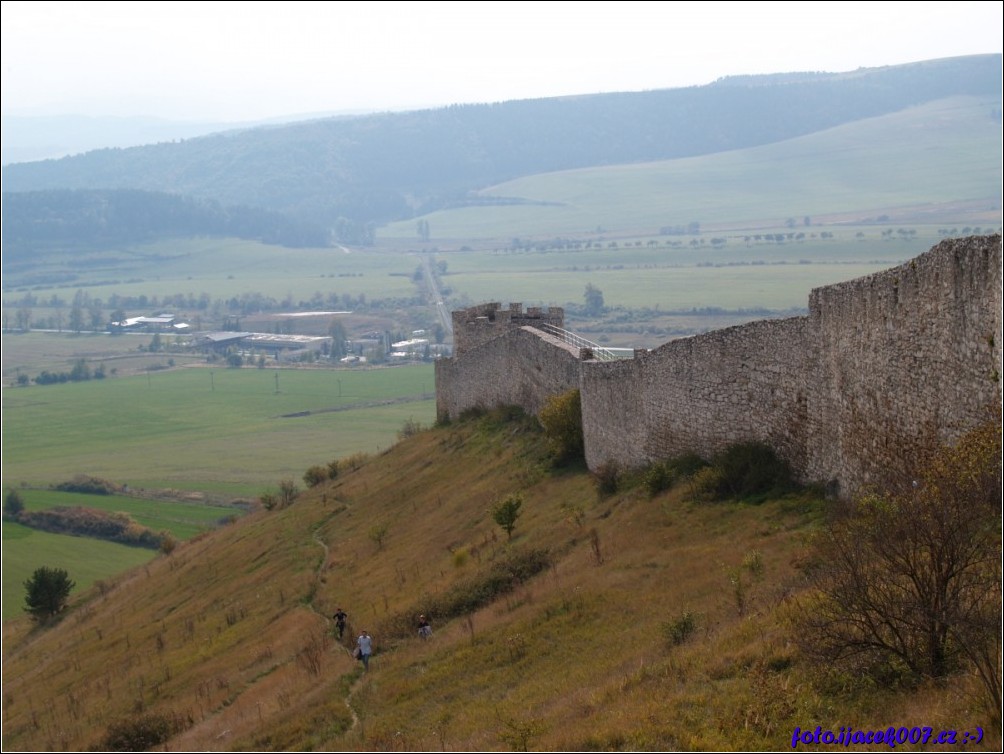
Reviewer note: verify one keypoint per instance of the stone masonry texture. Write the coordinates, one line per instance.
(881, 366)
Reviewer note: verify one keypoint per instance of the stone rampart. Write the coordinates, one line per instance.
(700, 394)
(477, 325)
(903, 357)
(523, 369)
(880, 365)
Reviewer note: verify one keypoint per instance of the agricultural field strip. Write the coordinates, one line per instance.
(188, 428)
(86, 560)
(157, 515)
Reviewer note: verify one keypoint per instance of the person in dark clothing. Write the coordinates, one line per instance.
(340, 618)
(424, 629)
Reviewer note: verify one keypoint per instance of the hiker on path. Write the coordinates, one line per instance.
(364, 648)
(424, 629)
(340, 618)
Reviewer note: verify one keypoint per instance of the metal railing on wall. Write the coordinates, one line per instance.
(601, 353)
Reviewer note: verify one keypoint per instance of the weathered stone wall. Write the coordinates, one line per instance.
(701, 394)
(523, 369)
(905, 356)
(880, 365)
(477, 325)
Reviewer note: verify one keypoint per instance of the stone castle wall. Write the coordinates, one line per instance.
(845, 394)
(700, 394)
(903, 356)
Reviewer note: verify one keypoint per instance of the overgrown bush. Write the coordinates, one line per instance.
(315, 475)
(470, 594)
(408, 429)
(678, 630)
(607, 477)
(561, 418)
(140, 733)
(13, 504)
(686, 464)
(751, 469)
(658, 477)
(912, 576)
(705, 482)
(91, 522)
(88, 485)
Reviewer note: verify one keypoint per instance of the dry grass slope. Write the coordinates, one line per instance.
(660, 624)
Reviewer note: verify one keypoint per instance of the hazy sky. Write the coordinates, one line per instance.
(239, 61)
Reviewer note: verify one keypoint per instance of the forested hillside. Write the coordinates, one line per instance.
(348, 173)
(88, 219)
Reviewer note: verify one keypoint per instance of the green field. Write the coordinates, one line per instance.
(220, 268)
(771, 276)
(208, 429)
(224, 432)
(86, 560)
(181, 519)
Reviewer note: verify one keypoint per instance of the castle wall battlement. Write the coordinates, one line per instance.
(880, 365)
(479, 324)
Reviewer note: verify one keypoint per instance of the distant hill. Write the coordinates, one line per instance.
(88, 219)
(29, 138)
(351, 173)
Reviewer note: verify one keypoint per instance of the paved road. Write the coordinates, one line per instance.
(433, 285)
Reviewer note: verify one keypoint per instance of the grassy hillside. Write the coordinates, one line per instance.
(228, 641)
(921, 161)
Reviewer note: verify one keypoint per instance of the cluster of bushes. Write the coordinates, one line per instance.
(89, 522)
(502, 577)
(749, 471)
(88, 485)
(282, 498)
(907, 581)
(317, 474)
(142, 732)
(561, 418)
(80, 372)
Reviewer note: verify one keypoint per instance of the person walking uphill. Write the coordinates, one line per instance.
(340, 617)
(364, 646)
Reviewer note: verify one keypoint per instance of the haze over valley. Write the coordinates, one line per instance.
(223, 314)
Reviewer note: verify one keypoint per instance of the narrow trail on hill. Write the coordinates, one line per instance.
(318, 580)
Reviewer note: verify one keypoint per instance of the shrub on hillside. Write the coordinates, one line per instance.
(658, 477)
(561, 418)
(470, 594)
(662, 475)
(141, 733)
(47, 592)
(751, 469)
(315, 475)
(678, 630)
(607, 477)
(408, 429)
(506, 511)
(912, 576)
